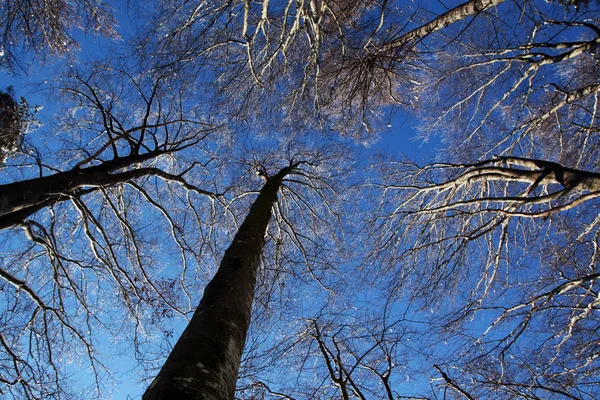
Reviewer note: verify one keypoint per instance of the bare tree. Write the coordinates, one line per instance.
(46, 28)
(130, 148)
(506, 241)
(500, 247)
(497, 237)
(380, 60)
(355, 348)
(530, 91)
(331, 62)
(116, 150)
(77, 250)
(206, 358)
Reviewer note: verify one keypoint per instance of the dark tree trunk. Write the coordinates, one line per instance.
(19, 200)
(205, 360)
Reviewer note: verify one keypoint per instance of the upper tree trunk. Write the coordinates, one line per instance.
(451, 16)
(205, 360)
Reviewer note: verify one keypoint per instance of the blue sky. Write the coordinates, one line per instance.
(398, 139)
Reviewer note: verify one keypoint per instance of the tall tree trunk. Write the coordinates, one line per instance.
(205, 360)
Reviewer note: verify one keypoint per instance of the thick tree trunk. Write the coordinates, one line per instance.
(19, 200)
(205, 360)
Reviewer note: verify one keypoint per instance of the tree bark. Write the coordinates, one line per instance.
(205, 360)
(19, 200)
(458, 13)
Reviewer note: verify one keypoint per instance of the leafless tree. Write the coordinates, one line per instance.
(46, 28)
(507, 242)
(497, 237)
(356, 348)
(500, 246)
(530, 91)
(78, 251)
(205, 359)
(333, 63)
(130, 147)
(380, 59)
(297, 198)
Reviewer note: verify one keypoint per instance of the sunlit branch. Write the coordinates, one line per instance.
(575, 187)
(459, 13)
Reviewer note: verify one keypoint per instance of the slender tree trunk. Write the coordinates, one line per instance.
(205, 360)
(458, 13)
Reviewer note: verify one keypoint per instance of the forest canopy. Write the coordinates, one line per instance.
(221, 199)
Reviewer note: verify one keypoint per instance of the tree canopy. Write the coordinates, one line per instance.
(235, 167)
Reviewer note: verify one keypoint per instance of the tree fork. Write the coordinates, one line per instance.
(31, 192)
(20, 200)
(205, 360)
